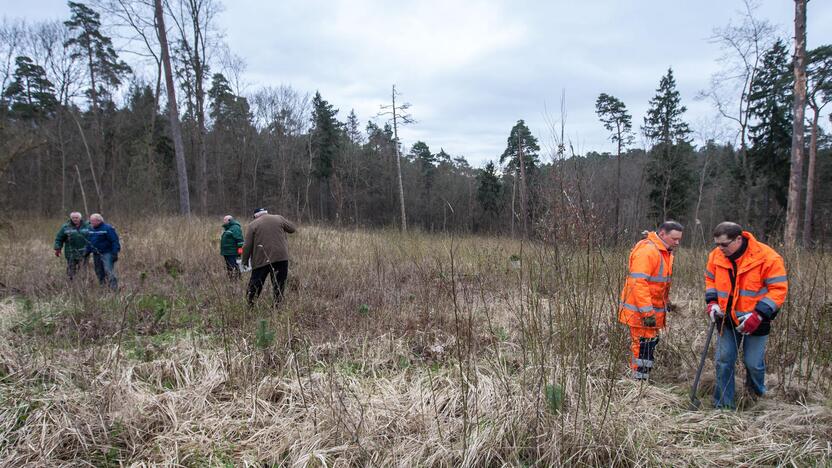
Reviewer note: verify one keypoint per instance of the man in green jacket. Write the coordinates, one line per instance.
(231, 245)
(73, 237)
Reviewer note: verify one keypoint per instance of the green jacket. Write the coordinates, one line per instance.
(232, 238)
(73, 239)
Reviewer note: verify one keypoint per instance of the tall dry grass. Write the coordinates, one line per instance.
(394, 350)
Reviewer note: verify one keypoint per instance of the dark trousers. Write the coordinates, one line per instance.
(73, 265)
(277, 271)
(231, 267)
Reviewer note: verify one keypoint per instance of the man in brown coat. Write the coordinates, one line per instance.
(266, 247)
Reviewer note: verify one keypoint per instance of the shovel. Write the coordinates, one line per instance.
(694, 401)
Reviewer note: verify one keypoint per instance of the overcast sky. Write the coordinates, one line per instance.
(472, 68)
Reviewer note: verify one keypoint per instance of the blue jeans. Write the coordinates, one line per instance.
(105, 268)
(753, 354)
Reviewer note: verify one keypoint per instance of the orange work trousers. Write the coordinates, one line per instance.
(643, 341)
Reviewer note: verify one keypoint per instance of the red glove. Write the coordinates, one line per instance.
(57, 252)
(239, 250)
(749, 323)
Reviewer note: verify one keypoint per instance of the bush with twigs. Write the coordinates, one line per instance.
(389, 350)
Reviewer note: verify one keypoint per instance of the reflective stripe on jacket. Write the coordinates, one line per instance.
(761, 283)
(73, 239)
(103, 239)
(647, 288)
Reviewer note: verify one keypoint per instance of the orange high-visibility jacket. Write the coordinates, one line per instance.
(761, 281)
(647, 288)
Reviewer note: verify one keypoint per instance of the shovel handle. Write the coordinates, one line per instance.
(702, 362)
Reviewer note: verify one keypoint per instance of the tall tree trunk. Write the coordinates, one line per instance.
(306, 208)
(62, 150)
(83, 194)
(89, 161)
(810, 181)
(398, 163)
(355, 187)
(524, 204)
(702, 178)
(38, 165)
(513, 197)
(796, 173)
(173, 115)
(243, 152)
(199, 73)
(151, 165)
(93, 89)
(618, 186)
(221, 183)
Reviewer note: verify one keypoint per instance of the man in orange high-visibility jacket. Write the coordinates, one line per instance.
(746, 280)
(644, 300)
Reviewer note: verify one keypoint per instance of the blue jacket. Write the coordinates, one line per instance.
(103, 239)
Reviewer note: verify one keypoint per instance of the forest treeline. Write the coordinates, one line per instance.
(86, 125)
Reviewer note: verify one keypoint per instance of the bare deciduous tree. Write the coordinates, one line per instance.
(194, 20)
(743, 47)
(173, 113)
(818, 95)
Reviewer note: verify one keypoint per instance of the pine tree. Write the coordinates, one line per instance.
(520, 135)
(489, 193)
(668, 169)
(771, 139)
(426, 162)
(31, 95)
(326, 134)
(521, 154)
(613, 114)
(442, 157)
(353, 129)
(225, 108)
(420, 153)
(104, 67)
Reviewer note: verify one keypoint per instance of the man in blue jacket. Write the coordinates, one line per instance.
(104, 247)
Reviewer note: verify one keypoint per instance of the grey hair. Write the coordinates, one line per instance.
(97, 216)
(76, 213)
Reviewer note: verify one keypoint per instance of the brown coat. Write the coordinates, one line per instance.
(266, 240)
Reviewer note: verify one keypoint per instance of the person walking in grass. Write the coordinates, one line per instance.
(231, 245)
(72, 238)
(104, 247)
(267, 249)
(645, 297)
(745, 286)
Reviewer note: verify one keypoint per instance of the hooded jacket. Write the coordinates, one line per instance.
(232, 238)
(647, 288)
(760, 283)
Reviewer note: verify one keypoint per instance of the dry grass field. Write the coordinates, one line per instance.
(390, 350)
